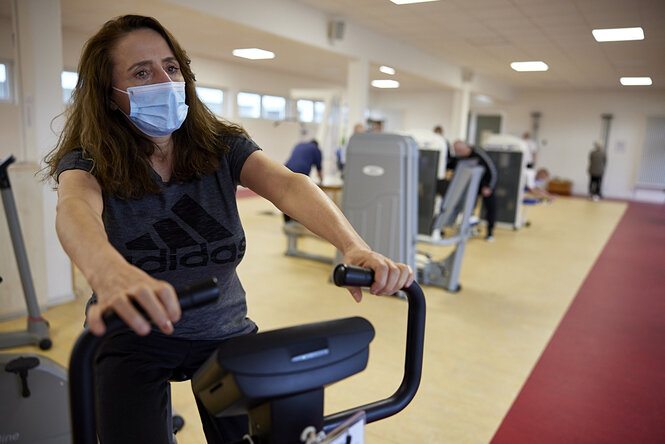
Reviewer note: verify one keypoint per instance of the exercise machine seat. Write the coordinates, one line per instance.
(249, 370)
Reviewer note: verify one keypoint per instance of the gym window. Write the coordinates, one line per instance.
(249, 105)
(6, 90)
(213, 98)
(68, 81)
(310, 110)
(273, 107)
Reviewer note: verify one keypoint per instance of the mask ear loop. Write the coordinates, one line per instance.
(115, 106)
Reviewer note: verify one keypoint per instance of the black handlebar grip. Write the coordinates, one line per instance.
(81, 379)
(198, 294)
(352, 276)
(4, 174)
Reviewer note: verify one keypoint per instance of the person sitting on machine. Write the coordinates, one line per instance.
(487, 183)
(147, 179)
(536, 184)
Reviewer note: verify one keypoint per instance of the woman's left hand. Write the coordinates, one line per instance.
(389, 276)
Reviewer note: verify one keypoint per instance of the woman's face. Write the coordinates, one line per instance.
(141, 57)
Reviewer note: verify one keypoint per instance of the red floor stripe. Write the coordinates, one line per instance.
(601, 378)
(245, 192)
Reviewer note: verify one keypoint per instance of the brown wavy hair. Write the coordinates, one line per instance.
(120, 152)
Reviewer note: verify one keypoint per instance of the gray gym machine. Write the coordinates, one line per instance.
(33, 388)
(381, 187)
(37, 332)
(455, 211)
(294, 231)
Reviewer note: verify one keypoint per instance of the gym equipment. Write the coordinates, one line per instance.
(33, 410)
(37, 331)
(456, 210)
(278, 376)
(34, 389)
(507, 153)
(81, 361)
(294, 231)
(427, 188)
(381, 193)
(31, 386)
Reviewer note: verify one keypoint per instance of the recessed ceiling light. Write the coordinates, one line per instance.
(618, 34)
(635, 81)
(482, 98)
(387, 70)
(529, 66)
(385, 83)
(253, 53)
(406, 2)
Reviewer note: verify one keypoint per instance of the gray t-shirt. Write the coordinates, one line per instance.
(187, 232)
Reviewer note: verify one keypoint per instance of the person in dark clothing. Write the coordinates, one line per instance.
(487, 183)
(304, 156)
(597, 160)
(147, 178)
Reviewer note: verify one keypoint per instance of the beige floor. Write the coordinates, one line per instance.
(481, 343)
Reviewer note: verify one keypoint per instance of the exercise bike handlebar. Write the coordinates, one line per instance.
(346, 275)
(81, 374)
(4, 174)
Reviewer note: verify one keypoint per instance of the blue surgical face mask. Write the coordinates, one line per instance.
(157, 109)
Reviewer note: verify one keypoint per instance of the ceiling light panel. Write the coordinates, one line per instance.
(635, 81)
(385, 83)
(254, 53)
(387, 70)
(408, 2)
(618, 34)
(529, 66)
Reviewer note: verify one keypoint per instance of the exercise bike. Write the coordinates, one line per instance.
(37, 331)
(31, 386)
(278, 377)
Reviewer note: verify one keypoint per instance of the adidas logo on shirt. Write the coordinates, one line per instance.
(192, 239)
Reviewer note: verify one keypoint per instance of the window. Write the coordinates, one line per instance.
(310, 110)
(249, 105)
(273, 107)
(5, 82)
(305, 110)
(213, 98)
(319, 109)
(68, 81)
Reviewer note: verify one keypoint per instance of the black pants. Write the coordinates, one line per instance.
(132, 382)
(489, 203)
(594, 186)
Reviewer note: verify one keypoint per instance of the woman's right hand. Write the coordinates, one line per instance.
(121, 289)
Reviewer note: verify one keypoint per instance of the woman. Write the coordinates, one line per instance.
(146, 202)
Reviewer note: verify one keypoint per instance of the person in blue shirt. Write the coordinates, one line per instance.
(304, 156)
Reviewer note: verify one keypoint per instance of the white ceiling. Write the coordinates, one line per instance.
(483, 36)
(486, 35)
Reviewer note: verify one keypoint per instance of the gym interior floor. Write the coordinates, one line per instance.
(482, 343)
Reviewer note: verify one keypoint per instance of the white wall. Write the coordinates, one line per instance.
(570, 122)
(276, 138)
(419, 110)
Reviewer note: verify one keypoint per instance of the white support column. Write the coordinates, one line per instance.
(460, 114)
(357, 88)
(39, 61)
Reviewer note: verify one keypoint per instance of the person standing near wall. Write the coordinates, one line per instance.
(597, 160)
(439, 130)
